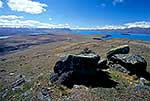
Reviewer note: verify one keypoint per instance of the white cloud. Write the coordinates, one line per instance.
(27, 6)
(117, 1)
(11, 17)
(112, 27)
(16, 22)
(1, 3)
(142, 24)
(50, 19)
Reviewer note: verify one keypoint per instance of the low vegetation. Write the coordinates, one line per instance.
(36, 64)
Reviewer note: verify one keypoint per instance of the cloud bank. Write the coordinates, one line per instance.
(27, 6)
(10, 17)
(19, 22)
(140, 24)
(14, 21)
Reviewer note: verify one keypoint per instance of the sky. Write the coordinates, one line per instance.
(104, 14)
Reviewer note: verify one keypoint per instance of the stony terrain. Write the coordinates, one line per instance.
(25, 74)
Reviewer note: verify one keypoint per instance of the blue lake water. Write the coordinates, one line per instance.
(145, 37)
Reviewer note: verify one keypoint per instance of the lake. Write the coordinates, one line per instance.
(145, 37)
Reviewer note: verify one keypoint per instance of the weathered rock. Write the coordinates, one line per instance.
(102, 64)
(44, 91)
(118, 67)
(18, 82)
(3, 93)
(142, 80)
(44, 95)
(142, 88)
(133, 63)
(11, 74)
(2, 70)
(76, 62)
(83, 67)
(118, 50)
(65, 78)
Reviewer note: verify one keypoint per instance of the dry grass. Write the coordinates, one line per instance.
(37, 62)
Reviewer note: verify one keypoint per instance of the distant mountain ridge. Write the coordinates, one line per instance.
(136, 30)
(28, 31)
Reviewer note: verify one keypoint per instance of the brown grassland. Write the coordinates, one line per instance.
(36, 64)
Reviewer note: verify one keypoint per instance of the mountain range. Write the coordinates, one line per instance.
(32, 31)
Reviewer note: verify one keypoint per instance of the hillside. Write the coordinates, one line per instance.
(36, 63)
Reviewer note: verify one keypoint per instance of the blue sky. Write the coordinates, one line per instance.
(75, 13)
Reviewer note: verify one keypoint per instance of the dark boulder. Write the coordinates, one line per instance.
(85, 67)
(136, 64)
(76, 62)
(124, 49)
(102, 64)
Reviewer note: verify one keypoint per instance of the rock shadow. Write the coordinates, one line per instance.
(146, 75)
(101, 79)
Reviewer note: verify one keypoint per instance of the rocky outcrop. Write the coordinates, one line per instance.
(124, 49)
(127, 63)
(88, 66)
(85, 67)
(77, 62)
(136, 64)
(102, 64)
